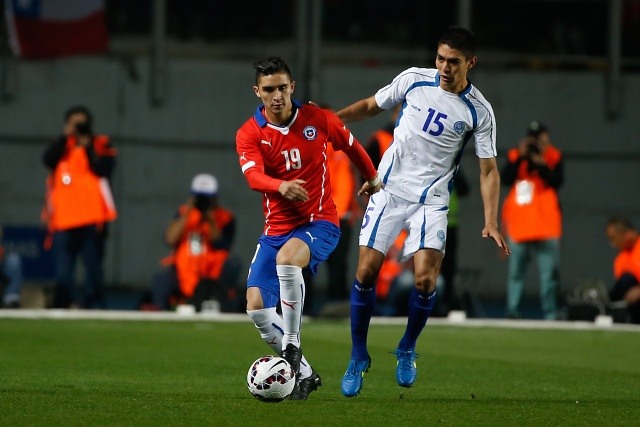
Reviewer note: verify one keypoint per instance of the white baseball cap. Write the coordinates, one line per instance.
(204, 184)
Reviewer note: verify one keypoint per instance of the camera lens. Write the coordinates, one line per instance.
(83, 128)
(202, 203)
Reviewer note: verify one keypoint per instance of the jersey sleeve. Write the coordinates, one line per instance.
(342, 139)
(485, 136)
(251, 161)
(394, 93)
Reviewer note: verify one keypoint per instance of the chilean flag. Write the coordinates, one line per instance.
(54, 28)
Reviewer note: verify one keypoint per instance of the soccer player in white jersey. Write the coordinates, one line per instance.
(282, 150)
(441, 113)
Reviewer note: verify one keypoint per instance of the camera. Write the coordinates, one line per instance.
(532, 148)
(202, 203)
(83, 128)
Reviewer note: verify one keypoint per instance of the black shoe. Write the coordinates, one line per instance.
(293, 355)
(305, 386)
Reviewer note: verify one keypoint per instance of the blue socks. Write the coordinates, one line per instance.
(363, 302)
(420, 306)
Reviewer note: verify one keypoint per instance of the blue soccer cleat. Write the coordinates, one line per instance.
(406, 370)
(352, 379)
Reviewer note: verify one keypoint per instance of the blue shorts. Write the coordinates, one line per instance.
(320, 236)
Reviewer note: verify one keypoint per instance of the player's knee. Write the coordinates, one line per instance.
(254, 299)
(367, 275)
(425, 283)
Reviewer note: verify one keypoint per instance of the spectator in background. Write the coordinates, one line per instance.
(343, 186)
(10, 277)
(626, 266)
(79, 204)
(200, 267)
(532, 217)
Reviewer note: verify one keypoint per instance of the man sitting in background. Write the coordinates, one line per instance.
(626, 265)
(201, 235)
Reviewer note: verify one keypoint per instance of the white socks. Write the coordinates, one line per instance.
(270, 326)
(292, 300)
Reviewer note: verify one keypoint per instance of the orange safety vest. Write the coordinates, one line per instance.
(76, 196)
(391, 267)
(628, 261)
(343, 182)
(384, 139)
(194, 256)
(531, 210)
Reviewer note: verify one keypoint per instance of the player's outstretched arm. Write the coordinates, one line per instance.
(359, 110)
(490, 190)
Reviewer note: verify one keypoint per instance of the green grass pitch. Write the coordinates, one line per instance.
(112, 372)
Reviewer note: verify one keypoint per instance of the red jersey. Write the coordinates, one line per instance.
(270, 154)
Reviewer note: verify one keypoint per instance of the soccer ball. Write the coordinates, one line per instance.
(271, 379)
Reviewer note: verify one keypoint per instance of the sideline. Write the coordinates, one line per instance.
(71, 314)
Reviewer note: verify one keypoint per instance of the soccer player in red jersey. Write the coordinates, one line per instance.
(282, 150)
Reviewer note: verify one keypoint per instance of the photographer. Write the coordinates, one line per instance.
(532, 217)
(79, 204)
(200, 267)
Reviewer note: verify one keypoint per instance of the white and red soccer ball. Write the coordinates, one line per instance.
(271, 379)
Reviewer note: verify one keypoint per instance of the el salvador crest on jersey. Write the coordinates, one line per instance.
(310, 132)
(458, 127)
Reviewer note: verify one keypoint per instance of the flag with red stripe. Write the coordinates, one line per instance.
(54, 28)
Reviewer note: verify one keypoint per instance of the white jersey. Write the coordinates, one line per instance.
(432, 130)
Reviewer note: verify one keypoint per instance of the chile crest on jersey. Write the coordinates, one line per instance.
(310, 132)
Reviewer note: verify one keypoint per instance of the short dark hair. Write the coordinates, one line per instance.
(620, 222)
(78, 109)
(271, 65)
(461, 39)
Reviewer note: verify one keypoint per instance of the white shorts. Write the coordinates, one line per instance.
(387, 215)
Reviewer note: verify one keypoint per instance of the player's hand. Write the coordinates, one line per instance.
(492, 232)
(369, 190)
(371, 187)
(293, 190)
(633, 295)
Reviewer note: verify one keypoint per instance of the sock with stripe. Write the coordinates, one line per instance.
(363, 303)
(420, 306)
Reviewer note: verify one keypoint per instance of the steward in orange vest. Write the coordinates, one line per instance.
(201, 237)
(202, 247)
(532, 218)
(344, 191)
(531, 210)
(79, 204)
(626, 266)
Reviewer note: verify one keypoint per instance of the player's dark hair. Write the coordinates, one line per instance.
(271, 65)
(461, 39)
(79, 109)
(620, 222)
